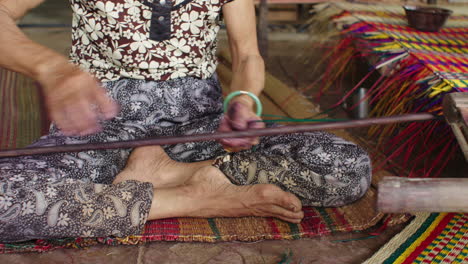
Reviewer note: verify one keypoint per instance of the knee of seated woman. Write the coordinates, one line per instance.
(359, 181)
(349, 180)
(336, 197)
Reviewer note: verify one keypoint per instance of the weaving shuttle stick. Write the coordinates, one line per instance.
(400, 195)
(168, 140)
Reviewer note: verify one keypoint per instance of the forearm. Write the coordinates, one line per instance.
(247, 64)
(19, 53)
(248, 75)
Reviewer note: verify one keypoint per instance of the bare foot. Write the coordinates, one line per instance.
(210, 194)
(152, 164)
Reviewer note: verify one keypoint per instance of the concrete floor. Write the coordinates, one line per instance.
(325, 249)
(318, 250)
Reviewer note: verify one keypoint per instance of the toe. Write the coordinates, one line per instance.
(293, 202)
(280, 212)
(279, 197)
(289, 201)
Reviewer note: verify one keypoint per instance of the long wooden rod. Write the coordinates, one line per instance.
(169, 140)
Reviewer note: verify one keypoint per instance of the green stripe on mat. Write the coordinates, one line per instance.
(214, 228)
(411, 239)
(327, 218)
(294, 230)
(454, 239)
(462, 256)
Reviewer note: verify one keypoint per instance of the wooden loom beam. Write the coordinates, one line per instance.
(399, 194)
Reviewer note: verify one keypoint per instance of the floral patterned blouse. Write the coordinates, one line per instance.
(145, 39)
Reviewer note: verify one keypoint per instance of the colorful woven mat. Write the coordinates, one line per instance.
(20, 125)
(317, 221)
(444, 52)
(429, 238)
(416, 70)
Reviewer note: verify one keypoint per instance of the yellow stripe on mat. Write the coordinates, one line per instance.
(386, 251)
(418, 241)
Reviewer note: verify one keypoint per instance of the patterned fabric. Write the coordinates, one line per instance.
(341, 170)
(139, 39)
(71, 195)
(417, 69)
(430, 238)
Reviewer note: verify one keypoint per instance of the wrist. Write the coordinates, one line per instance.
(245, 100)
(53, 72)
(51, 67)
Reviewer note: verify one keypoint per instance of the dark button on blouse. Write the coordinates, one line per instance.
(160, 28)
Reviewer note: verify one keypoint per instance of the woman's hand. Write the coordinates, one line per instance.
(75, 100)
(240, 116)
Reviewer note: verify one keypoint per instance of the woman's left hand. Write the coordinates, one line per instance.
(239, 117)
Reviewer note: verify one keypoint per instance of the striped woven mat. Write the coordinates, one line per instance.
(429, 238)
(21, 124)
(317, 222)
(416, 69)
(444, 52)
(21, 118)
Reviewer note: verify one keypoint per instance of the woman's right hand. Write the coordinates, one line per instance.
(75, 100)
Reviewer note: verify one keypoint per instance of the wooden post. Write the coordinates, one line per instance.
(398, 195)
(262, 28)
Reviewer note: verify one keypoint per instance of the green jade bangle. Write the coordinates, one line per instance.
(236, 93)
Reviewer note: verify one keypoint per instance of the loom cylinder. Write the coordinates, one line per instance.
(401, 195)
(362, 104)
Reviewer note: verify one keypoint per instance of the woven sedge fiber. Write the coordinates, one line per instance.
(429, 238)
(417, 70)
(318, 221)
(21, 120)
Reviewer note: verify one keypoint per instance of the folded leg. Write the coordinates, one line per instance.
(319, 168)
(42, 203)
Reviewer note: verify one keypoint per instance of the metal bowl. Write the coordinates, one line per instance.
(426, 18)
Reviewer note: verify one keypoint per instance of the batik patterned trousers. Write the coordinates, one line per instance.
(71, 194)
